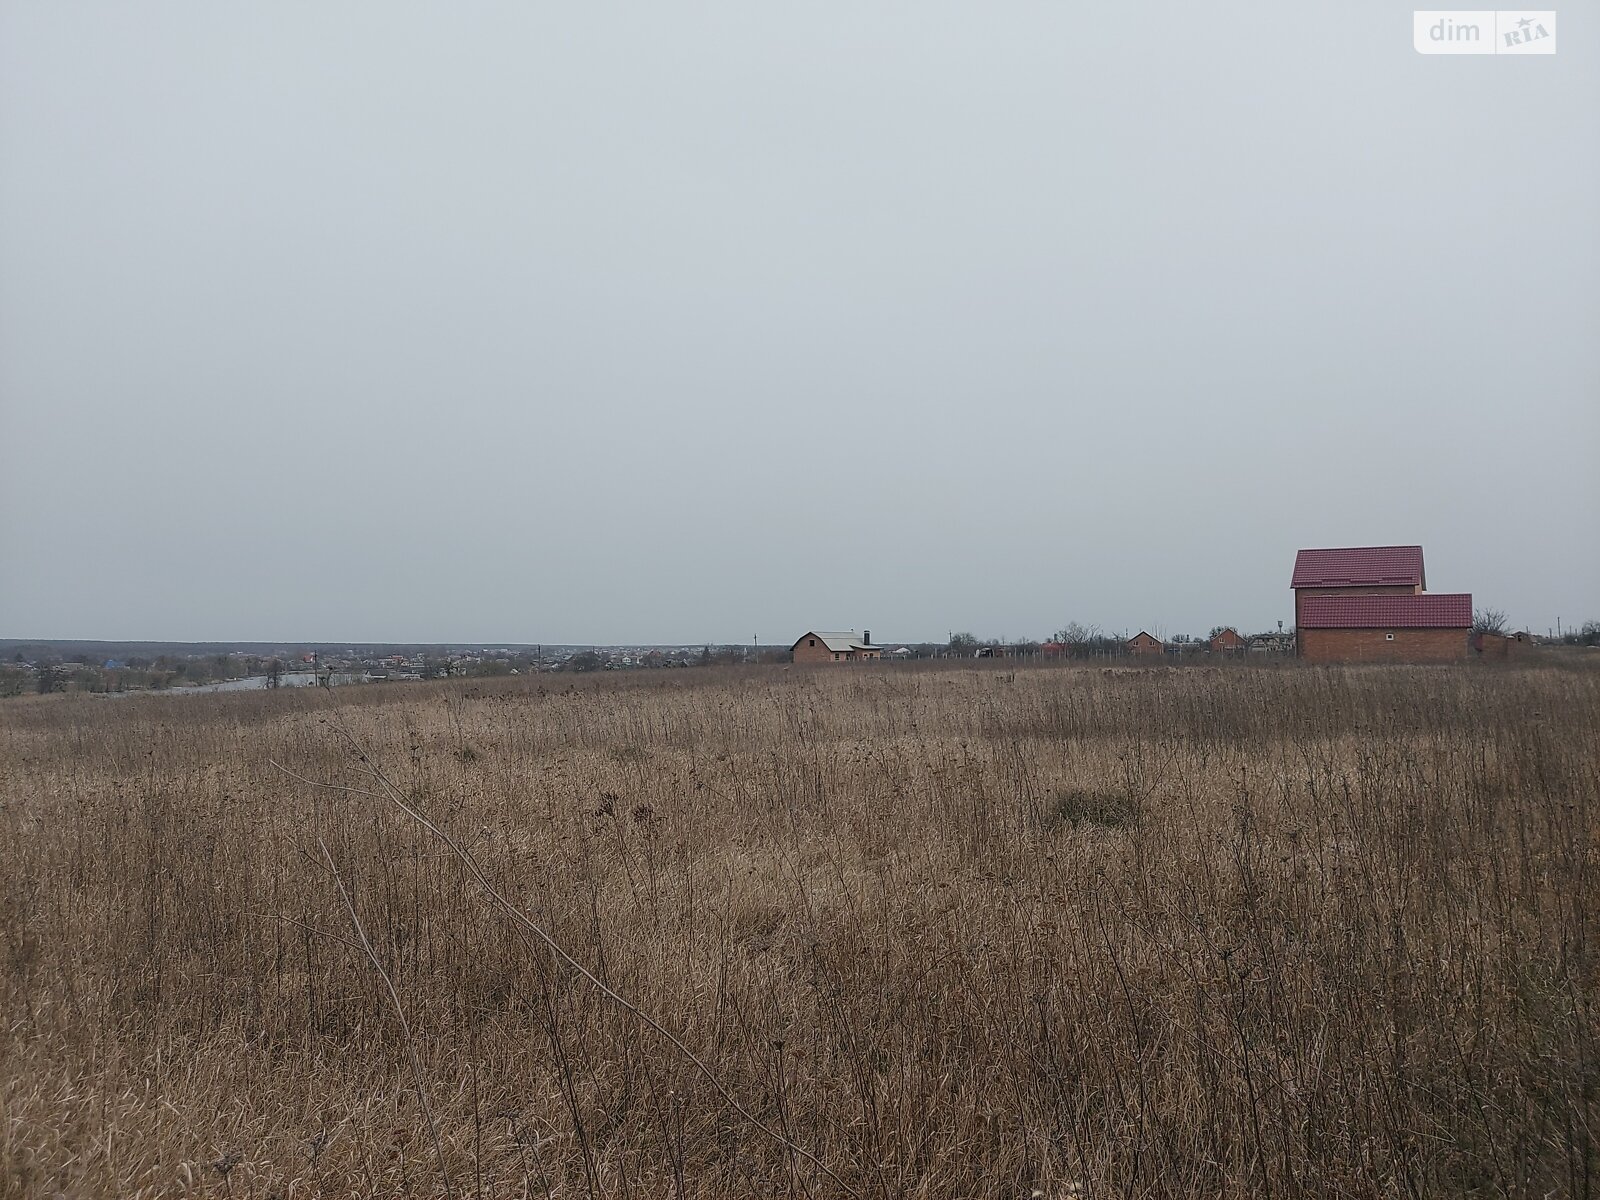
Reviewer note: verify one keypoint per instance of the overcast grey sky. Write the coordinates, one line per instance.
(697, 321)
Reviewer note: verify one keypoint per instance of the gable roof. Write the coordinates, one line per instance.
(1442, 610)
(1359, 566)
(837, 642)
(1143, 634)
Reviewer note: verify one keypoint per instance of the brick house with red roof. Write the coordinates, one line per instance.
(1368, 604)
(1227, 641)
(1357, 571)
(1142, 643)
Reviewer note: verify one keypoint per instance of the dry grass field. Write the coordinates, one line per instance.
(938, 932)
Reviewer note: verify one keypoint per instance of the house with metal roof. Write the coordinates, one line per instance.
(1356, 571)
(1369, 604)
(815, 647)
(1360, 566)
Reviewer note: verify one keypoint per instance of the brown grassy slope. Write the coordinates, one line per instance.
(957, 932)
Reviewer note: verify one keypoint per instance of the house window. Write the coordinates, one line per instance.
(1388, 637)
(812, 642)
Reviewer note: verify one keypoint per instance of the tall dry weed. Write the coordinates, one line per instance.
(952, 931)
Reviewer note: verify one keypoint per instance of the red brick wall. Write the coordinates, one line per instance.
(1491, 645)
(804, 652)
(1227, 640)
(1144, 644)
(1370, 645)
(1391, 589)
(1499, 646)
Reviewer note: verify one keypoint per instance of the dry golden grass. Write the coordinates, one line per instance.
(954, 931)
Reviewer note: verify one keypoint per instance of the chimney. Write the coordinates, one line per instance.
(866, 637)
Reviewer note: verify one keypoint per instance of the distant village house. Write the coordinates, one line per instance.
(1227, 641)
(1143, 643)
(817, 647)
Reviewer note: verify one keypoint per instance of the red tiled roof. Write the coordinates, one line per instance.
(1442, 610)
(1358, 566)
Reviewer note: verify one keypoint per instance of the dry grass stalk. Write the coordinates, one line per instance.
(957, 931)
(400, 1015)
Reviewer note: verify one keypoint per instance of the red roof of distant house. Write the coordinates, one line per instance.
(1442, 610)
(1358, 566)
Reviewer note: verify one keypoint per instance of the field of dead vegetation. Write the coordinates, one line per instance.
(879, 932)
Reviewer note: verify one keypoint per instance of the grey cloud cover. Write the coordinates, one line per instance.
(698, 321)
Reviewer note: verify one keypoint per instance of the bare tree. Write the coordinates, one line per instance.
(1076, 633)
(274, 673)
(1488, 620)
